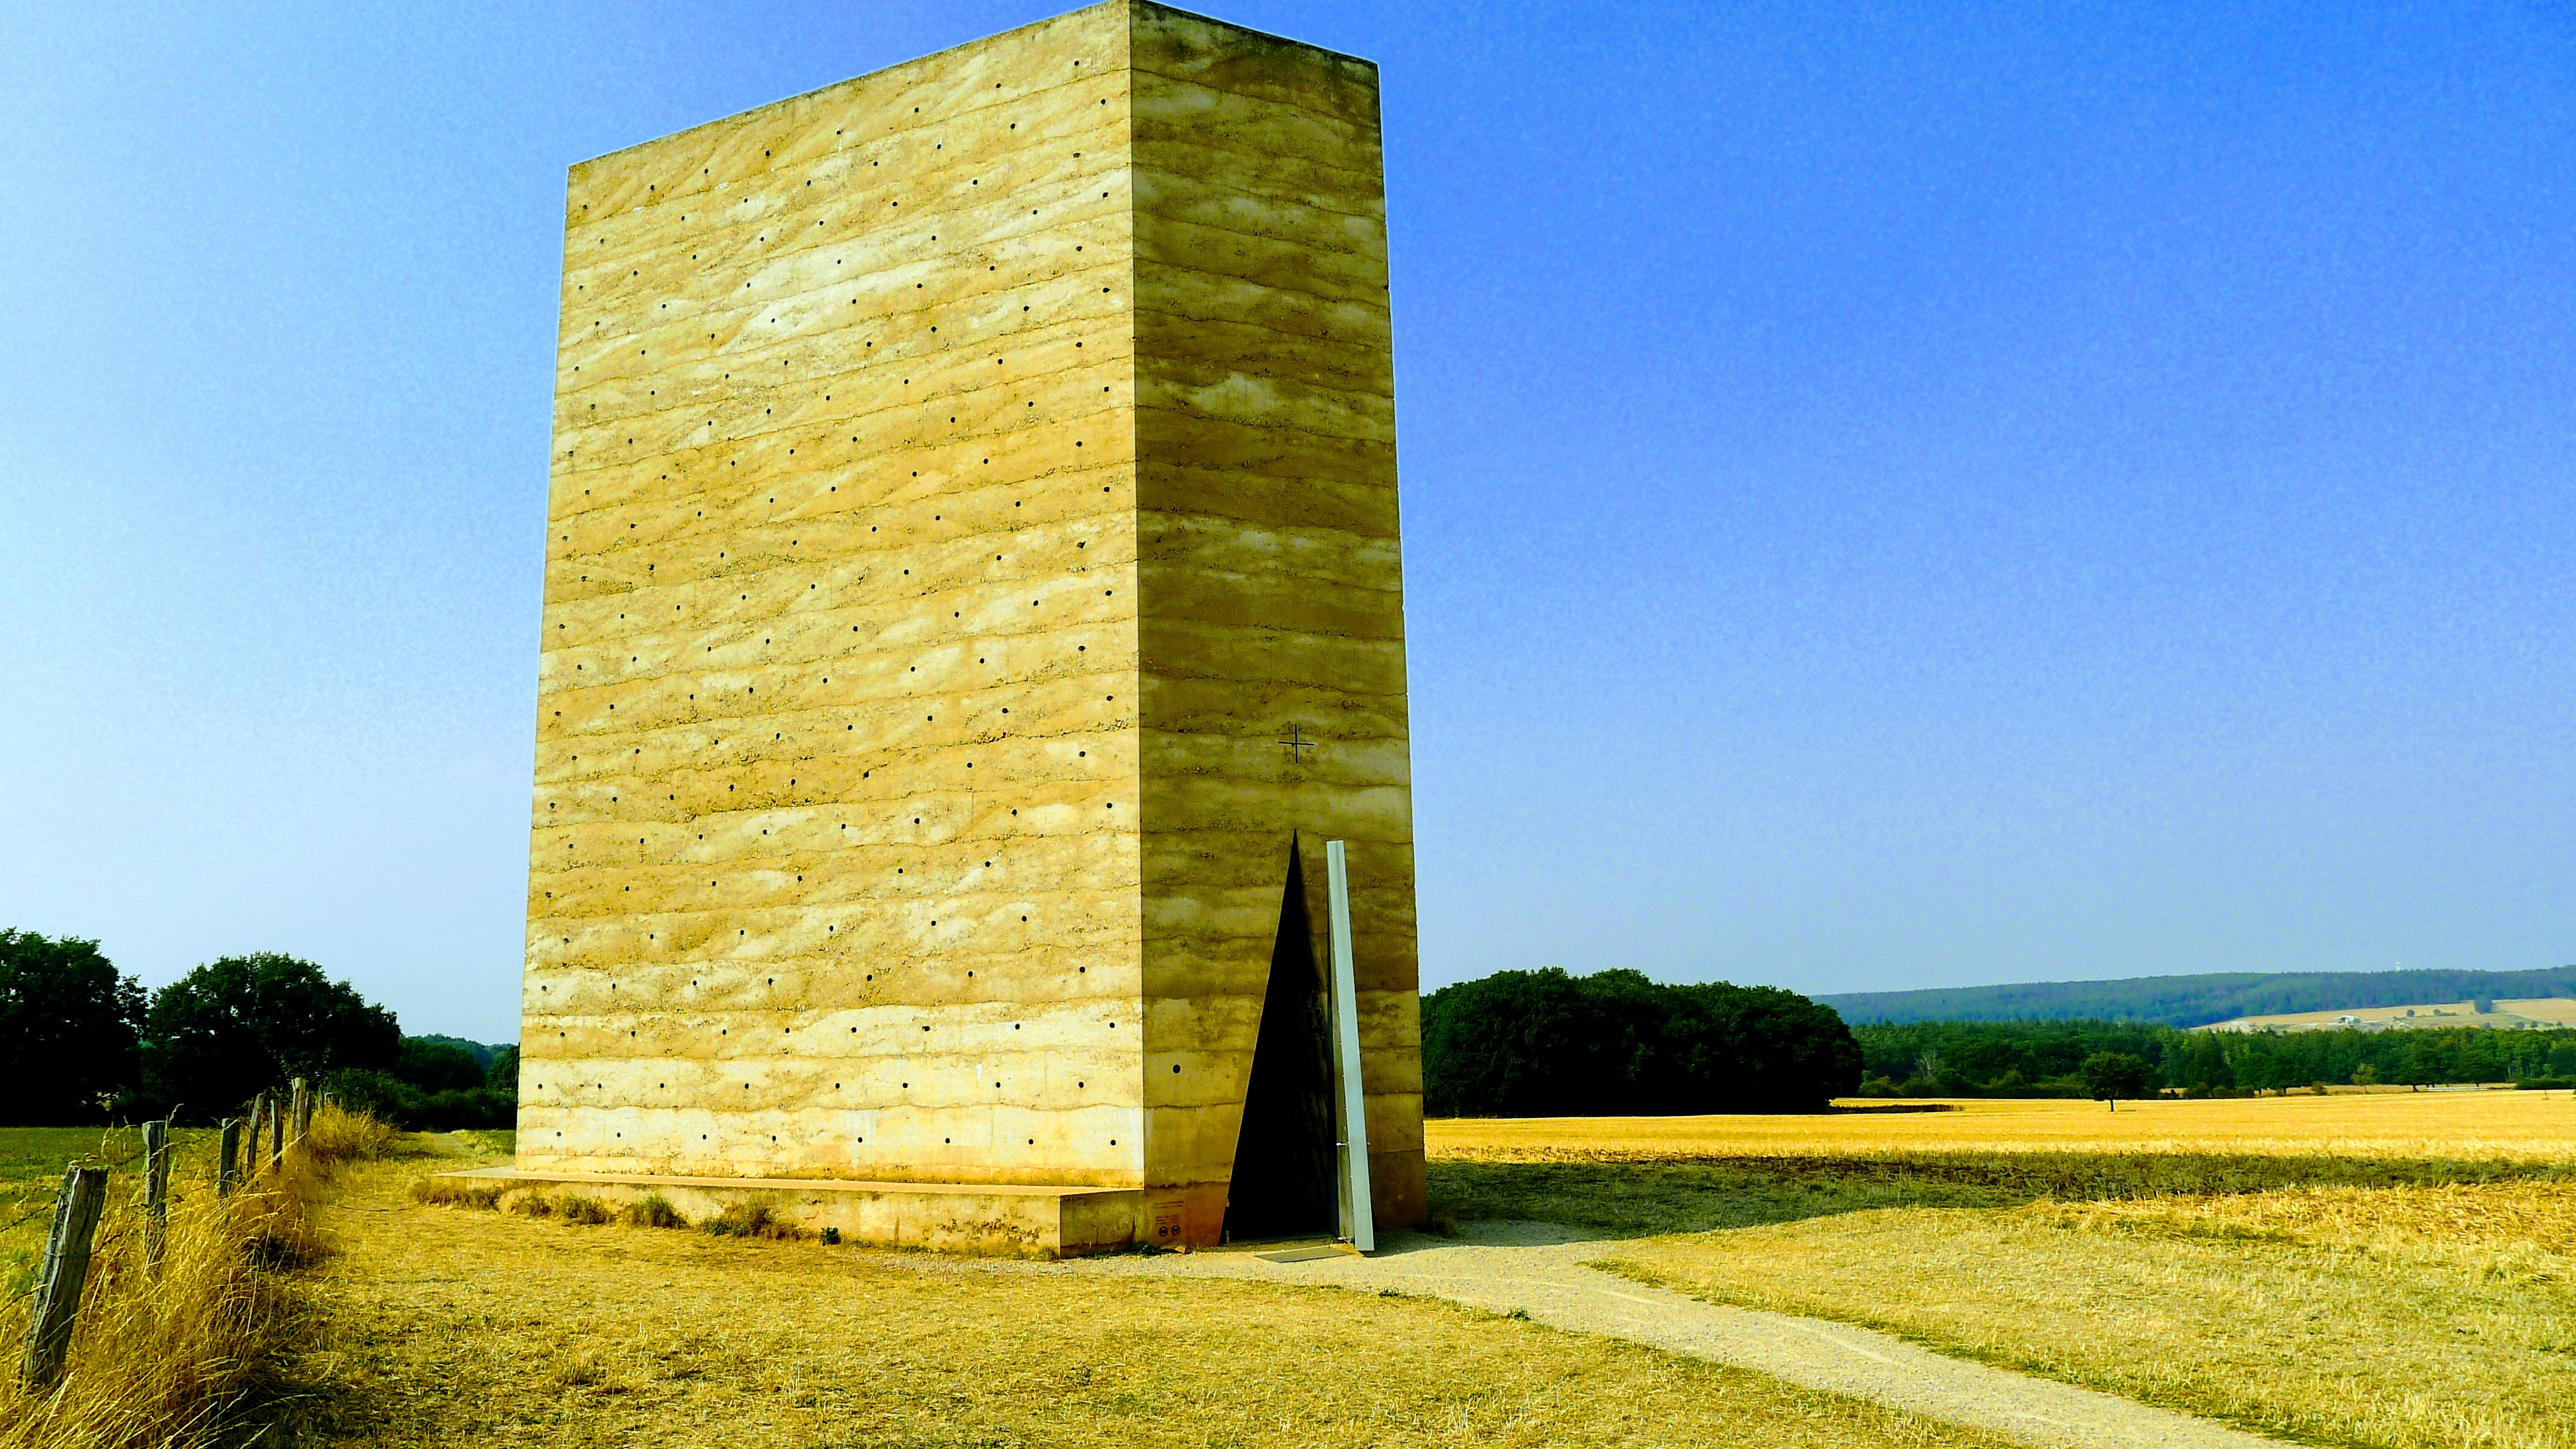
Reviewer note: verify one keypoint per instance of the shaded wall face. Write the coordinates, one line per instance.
(834, 854)
(1272, 629)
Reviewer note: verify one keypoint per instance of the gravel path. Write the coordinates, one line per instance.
(1537, 1268)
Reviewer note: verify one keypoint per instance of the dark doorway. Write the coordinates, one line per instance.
(1283, 1162)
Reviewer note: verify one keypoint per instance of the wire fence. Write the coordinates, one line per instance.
(47, 1198)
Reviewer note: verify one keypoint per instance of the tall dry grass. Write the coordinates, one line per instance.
(166, 1356)
(339, 1135)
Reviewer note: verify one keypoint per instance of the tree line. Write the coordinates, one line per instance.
(1547, 1044)
(2197, 1000)
(2044, 1058)
(86, 1043)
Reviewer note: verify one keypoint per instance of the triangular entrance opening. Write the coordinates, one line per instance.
(1283, 1161)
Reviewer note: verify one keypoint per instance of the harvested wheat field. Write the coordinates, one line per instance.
(452, 1324)
(2384, 1124)
(2392, 1269)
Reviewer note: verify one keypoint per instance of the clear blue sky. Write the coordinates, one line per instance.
(1893, 496)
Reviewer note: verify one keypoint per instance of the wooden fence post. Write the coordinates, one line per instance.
(258, 1123)
(65, 1270)
(277, 1133)
(156, 1193)
(227, 1149)
(300, 1112)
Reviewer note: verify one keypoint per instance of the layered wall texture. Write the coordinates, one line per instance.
(966, 478)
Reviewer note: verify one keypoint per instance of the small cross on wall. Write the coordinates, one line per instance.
(1297, 743)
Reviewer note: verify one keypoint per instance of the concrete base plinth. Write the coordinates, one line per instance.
(995, 1220)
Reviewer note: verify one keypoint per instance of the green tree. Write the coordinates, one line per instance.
(243, 1024)
(1547, 1044)
(437, 1066)
(2198, 1059)
(2424, 1064)
(503, 1077)
(2480, 1058)
(2020, 1058)
(69, 1027)
(2109, 1076)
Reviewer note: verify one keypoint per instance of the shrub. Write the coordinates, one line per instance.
(579, 1209)
(388, 1096)
(456, 1192)
(475, 1108)
(752, 1220)
(653, 1211)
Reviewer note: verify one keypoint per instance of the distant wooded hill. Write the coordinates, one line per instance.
(2044, 1058)
(2196, 1000)
(482, 1052)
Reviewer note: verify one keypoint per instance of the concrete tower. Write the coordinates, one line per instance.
(972, 596)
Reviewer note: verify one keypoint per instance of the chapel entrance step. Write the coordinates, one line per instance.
(985, 1219)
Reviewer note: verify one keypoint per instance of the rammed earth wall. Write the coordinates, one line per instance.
(964, 478)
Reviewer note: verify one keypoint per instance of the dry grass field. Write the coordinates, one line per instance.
(2390, 1269)
(446, 1325)
(31, 1169)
